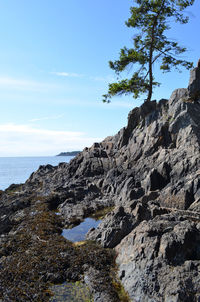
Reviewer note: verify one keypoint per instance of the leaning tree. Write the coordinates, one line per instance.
(150, 45)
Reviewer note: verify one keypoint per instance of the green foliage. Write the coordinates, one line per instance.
(151, 45)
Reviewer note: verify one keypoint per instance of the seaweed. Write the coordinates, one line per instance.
(35, 256)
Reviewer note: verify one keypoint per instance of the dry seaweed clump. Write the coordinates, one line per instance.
(32, 256)
(35, 256)
(122, 294)
(71, 291)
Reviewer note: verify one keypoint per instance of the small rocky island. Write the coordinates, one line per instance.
(146, 248)
(70, 153)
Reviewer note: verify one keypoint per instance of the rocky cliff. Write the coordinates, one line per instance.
(150, 173)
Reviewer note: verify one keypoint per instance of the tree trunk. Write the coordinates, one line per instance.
(150, 73)
(151, 53)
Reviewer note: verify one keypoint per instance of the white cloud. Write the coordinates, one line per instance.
(24, 140)
(106, 79)
(21, 84)
(56, 117)
(68, 74)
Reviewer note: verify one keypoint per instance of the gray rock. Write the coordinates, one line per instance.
(113, 229)
(194, 83)
(150, 172)
(160, 260)
(95, 283)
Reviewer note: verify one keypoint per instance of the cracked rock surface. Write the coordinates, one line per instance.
(149, 172)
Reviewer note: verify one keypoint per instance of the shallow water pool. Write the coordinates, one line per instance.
(78, 233)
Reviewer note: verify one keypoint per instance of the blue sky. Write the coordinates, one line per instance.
(54, 69)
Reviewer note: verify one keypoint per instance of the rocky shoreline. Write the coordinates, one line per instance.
(148, 175)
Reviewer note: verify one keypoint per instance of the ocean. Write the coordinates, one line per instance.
(18, 169)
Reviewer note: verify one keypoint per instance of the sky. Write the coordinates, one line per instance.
(54, 70)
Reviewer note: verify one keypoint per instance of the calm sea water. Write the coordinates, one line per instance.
(18, 169)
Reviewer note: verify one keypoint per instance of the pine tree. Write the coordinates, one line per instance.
(151, 45)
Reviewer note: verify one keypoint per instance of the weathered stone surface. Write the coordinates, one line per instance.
(159, 260)
(150, 172)
(194, 83)
(113, 229)
(99, 294)
(119, 223)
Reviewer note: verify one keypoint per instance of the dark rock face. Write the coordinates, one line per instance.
(194, 83)
(114, 228)
(150, 172)
(160, 259)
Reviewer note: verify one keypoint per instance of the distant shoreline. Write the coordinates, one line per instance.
(72, 153)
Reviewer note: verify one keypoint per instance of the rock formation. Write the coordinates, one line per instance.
(150, 173)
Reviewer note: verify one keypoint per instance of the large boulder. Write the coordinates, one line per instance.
(160, 259)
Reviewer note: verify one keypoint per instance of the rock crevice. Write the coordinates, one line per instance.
(150, 173)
